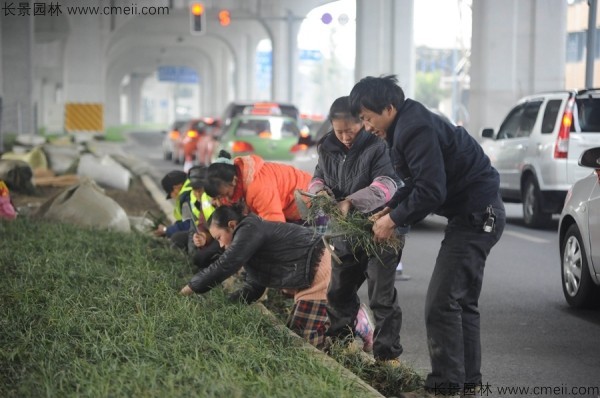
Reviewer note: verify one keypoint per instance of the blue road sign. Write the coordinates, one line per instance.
(310, 55)
(178, 74)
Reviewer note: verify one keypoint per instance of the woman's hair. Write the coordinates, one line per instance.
(223, 157)
(197, 172)
(197, 176)
(340, 109)
(219, 174)
(223, 214)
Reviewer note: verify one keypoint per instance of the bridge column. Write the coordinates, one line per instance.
(285, 28)
(84, 72)
(17, 37)
(518, 48)
(384, 41)
(136, 80)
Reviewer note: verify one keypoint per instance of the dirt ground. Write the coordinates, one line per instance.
(136, 202)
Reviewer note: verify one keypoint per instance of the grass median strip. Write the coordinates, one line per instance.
(96, 313)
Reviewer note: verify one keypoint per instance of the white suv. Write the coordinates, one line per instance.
(537, 148)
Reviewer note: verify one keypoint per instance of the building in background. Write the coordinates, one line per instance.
(577, 27)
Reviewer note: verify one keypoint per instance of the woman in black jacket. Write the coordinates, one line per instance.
(355, 168)
(276, 255)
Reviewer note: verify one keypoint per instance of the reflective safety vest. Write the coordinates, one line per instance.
(177, 209)
(205, 203)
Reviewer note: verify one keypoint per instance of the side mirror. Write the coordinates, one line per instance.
(487, 133)
(590, 158)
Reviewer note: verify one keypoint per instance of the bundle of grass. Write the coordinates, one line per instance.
(355, 227)
(386, 378)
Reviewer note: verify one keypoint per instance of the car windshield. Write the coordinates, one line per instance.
(588, 112)
(178, 125)
(273, 128)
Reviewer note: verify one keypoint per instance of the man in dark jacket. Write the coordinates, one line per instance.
(447, 173)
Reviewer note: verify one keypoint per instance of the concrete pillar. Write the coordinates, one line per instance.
(112, 107)
(285, 53)
(243, 69)
(17, 33)
(50, 112)
(1, 57)
(84, 79)
(518, 48)
(384, 41)
(136, 80)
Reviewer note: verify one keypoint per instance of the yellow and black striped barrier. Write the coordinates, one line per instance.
(84, 117)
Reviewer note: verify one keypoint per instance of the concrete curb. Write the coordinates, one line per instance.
(159, 196)
(367, 390)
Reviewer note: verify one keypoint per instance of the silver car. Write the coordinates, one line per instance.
(537, 147)
(579, 237)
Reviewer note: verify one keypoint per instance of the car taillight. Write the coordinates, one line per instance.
(304, 132)
(298, 148)
(241, 146)
(561, 147)
(192, 133)
(174, 135)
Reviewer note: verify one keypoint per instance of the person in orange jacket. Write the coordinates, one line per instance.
(264, 188)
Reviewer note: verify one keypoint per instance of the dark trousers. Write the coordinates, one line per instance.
(202, 257)
(343, 302)
(179, 240)
(451, 307)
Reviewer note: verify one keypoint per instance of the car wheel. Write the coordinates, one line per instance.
(532, 205)
(578, 287)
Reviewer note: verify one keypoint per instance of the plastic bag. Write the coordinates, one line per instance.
(7, 210)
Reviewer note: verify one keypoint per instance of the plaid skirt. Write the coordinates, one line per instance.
(309, 320)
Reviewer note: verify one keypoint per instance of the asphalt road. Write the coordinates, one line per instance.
(531, 339)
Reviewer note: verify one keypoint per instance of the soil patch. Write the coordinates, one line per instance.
(136, 201)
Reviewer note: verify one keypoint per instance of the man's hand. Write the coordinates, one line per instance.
(344, 206)
(199, 239)
(186, 291)
(383, 228)
(380, 214)
(161, 230)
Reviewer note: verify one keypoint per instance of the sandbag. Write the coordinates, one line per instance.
(105, 171)
(86, 205)
(62, 158)
(36, 158)
(30, 140)
(133, 164)
(17, 175)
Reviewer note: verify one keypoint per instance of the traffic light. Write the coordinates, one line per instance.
(224, 17)
(197, 19)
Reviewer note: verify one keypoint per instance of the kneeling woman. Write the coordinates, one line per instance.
(274, 255)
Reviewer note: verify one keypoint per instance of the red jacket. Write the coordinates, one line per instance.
(268, 188)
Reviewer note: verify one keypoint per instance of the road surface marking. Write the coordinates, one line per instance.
(526, 237)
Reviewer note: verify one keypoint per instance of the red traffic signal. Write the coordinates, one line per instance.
(197, 19)
(224, 17)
